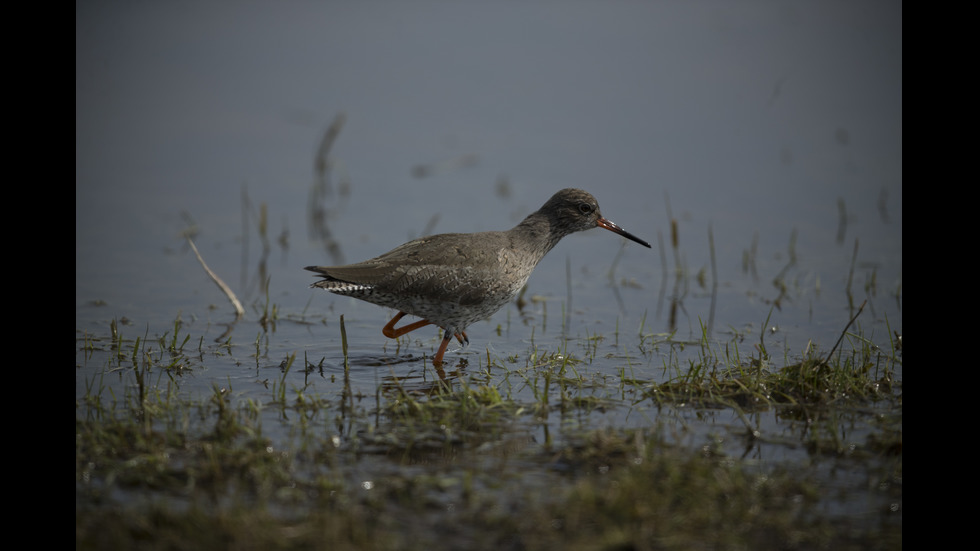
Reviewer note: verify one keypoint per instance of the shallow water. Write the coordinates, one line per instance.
(772, 134)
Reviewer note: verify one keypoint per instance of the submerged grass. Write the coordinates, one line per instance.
(460, 464)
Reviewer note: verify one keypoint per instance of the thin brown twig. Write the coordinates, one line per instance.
(239, 311)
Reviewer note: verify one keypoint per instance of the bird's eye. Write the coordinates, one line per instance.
(585, 208)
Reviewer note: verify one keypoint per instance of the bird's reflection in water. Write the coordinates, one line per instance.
(420, 381)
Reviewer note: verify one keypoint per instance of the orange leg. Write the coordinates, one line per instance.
(437, 360)
(392, 333)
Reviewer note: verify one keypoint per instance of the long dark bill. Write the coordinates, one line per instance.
(611, 226)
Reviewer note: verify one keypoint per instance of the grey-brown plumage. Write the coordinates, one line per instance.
(454, 279)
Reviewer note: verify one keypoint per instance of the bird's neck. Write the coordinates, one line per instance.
(540, 231)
